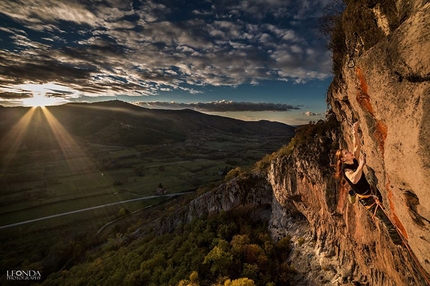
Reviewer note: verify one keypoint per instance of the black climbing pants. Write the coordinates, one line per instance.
(380, 213)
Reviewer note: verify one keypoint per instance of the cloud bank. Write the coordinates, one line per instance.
(140, 48)
(220, 106)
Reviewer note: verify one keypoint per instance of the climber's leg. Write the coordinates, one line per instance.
(392, 231)
(371, 206)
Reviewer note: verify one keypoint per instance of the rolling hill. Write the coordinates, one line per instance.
(117, 122)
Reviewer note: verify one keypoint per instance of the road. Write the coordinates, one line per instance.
(88, 209)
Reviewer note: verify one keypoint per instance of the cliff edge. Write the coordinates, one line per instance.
(382, 80)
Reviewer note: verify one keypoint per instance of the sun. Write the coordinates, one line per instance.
(40, 93)
(35, 101)
(40, 99)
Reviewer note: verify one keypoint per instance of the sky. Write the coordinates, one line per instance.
(251, 59)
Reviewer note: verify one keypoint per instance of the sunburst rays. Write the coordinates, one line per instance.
(77, 160)
(39, 122)
(12, 141)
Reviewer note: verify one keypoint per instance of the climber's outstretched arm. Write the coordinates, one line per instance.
(354, 176)
(356, 140)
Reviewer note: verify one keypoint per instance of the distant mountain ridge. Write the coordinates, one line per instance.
(118, 122)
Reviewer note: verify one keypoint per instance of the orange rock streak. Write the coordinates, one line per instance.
(394, 217)
(363, 99)
(380, 135)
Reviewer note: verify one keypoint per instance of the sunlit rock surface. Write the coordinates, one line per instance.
(386, 85)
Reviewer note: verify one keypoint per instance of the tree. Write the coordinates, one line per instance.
(123, 212)
(239, 282)
(194, 277)
(220, 261)
(330, 24)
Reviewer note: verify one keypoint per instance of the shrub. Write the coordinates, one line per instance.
(239, 282)
(236, 172)
(331, 25)
(263, 165)
(300, 241)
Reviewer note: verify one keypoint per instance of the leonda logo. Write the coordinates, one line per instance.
(23, 275)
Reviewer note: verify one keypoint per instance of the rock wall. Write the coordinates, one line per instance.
(385, 83)
(345, 244)
(388, 89)
(251, 194)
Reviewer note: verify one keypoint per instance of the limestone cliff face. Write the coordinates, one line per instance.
(345, 243)
(247, 192)
(252, 195)
(384, 83)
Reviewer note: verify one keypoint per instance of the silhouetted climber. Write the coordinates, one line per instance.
(348, 168)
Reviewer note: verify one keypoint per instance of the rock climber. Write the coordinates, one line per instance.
(349, 166)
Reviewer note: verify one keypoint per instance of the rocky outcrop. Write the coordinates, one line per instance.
(251, 190)
(249, 194)
(344, 242)
(385, 83)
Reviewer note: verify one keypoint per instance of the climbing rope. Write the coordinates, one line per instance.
(420, 269)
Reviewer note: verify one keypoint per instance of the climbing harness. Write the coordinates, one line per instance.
(361, 197)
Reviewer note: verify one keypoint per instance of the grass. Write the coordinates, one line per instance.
(39, 183)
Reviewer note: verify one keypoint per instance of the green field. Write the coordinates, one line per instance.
(50, 181)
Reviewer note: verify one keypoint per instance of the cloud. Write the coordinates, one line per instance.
(111, 47)
(15, 95)
(220, 106)
(310, 113)
(35, 13)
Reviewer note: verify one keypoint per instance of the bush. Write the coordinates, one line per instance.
(300, 241)
(123, 212)
(305, 134)
(236, 172)
(239, 282)
(331, 25)
(262, 166)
